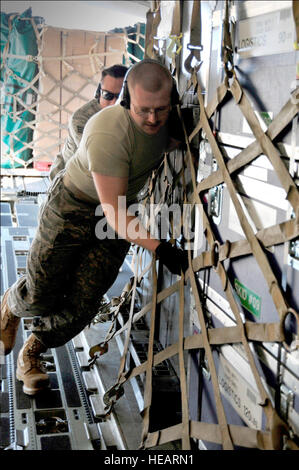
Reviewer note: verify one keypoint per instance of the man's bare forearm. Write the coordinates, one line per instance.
(131, 229)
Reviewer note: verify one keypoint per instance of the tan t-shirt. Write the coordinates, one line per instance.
(76, 127)
(113, 145)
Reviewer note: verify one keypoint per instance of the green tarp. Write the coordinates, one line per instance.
(136, 48)
(18, 38)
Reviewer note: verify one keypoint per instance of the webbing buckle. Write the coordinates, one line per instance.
(291, 342)
(195, 54)
(175, 45)
(102, 348)
(116, 392)
(192, 47)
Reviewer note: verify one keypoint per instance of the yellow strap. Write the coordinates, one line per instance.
(296, 19)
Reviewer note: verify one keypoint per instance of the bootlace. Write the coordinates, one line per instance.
(34, 354)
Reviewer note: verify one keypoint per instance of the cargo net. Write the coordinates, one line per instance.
(275, 433)
(47, 78)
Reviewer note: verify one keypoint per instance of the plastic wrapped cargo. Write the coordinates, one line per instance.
(19, 76)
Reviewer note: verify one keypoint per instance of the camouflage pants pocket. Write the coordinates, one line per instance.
(68, 270)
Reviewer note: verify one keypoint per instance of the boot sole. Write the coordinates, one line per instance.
(31, 391)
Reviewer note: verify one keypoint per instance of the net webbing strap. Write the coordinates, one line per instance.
(150, 357)
(265, 143)
(128, 332)
(182, 372)
(53, 116)
(242, 436)
(253, 332)
(257, 250)
(244, 332)
(248, 332)
(250, 153)
(15, 114)
(262, 332)
(276, 426)
(265, 402)
(225, 435)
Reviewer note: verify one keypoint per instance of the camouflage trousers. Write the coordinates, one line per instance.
(68, 268)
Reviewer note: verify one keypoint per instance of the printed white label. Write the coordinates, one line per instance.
(243, 398)
(272, 33)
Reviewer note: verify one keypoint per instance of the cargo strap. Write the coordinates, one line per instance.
(276, 433)
(150, 355)
(265, 402)
(292, 194)
(164, 32)
(128, 332)
(153, 19)
(116, 306)
(242, 333)
(194, 45)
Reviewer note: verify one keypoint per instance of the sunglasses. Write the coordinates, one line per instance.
(108, 95)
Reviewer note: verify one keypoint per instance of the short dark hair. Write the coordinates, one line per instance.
(116, 71)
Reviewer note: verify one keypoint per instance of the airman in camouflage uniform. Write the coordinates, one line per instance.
(65, 223)
(70, 268)
(81, 116)
(93, 265)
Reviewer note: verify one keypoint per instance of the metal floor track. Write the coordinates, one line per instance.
(63, 417)
(70, 415)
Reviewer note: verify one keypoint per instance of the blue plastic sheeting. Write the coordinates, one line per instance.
(18, 38)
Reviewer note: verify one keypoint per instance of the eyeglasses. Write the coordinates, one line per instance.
(158, 112)
(108, 95)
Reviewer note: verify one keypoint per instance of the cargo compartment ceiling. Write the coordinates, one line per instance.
(84, 15)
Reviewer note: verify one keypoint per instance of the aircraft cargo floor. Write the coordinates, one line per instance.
(71, 415)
